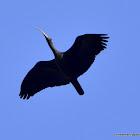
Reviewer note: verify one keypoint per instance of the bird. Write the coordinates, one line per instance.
(66, 67)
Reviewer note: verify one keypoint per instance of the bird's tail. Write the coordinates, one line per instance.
(77, 86)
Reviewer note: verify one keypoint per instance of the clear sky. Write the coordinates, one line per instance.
(111, 103)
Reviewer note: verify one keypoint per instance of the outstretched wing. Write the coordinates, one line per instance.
(44, 74)
(82, 54)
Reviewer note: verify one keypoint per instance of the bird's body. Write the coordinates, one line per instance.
(66, 67)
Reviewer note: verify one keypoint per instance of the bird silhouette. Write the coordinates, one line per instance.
(66, 67)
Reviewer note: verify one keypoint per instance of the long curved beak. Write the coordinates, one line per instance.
(46, 36)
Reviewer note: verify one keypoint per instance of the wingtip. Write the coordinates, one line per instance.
(104, 35)
(24, 96)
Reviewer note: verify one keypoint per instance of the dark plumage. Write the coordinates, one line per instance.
(66, 67)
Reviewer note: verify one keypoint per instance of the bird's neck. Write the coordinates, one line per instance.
(55, 51)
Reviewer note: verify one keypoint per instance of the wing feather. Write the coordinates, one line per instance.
(44, 74)
(83, 52)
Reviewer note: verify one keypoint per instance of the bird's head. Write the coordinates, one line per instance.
(49, 39)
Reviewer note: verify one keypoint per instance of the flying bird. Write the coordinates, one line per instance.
(66, 67)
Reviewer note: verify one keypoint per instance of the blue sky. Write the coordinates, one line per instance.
(112, 94)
